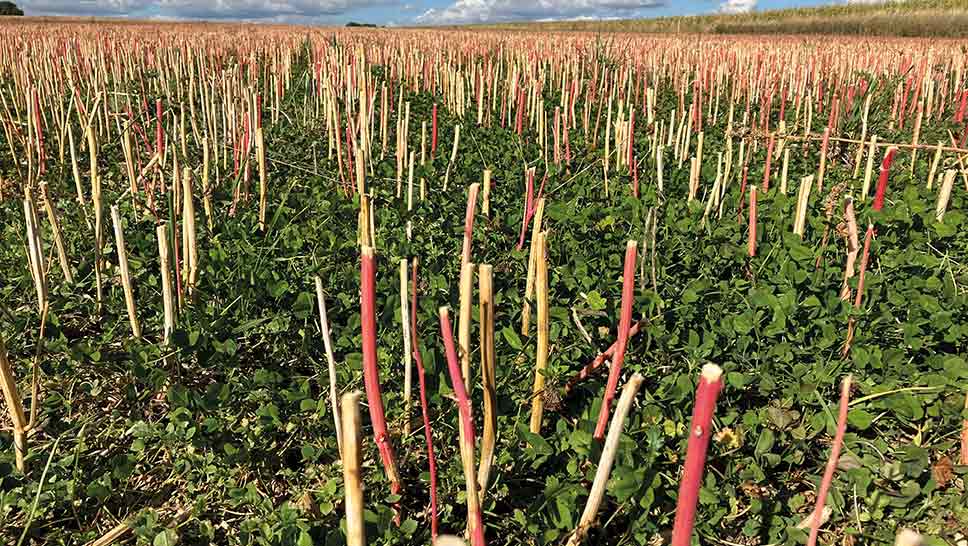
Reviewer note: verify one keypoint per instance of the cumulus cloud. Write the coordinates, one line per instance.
(489, 11)
(81, 7)
(737, 6)
(277, 10)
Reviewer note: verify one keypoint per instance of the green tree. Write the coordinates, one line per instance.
(9, 8)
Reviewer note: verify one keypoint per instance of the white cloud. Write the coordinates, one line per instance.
(487, 11)
(276, 10)
(737, 6)
(81, 7)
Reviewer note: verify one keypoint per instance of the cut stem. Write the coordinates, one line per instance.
(330, 361)
(166, 290)
(595, 364)
(907, 537)
(35, 248)
(624, 325)
(882, 181)
(475, 526)
(541, 363)
(469, 223)
(407, 354)
(352, 461)
(605, 463)
(190, 239)
(828, 475)
(424, 408)
(486, 299)
(15, 407)
(125, 273)
(710, 383)
(371, 373)
(57, 235)
(464, 321)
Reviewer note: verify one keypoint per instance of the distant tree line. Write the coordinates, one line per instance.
(354, 24)
(9, 8)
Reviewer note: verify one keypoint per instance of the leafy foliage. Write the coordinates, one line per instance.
(9, 8)
(232, 420)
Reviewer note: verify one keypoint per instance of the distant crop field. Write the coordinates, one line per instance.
(273, 285)
(937, 18)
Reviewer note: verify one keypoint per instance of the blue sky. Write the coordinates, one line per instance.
(399, 12)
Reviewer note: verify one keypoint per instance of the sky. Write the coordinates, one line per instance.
(401, 12)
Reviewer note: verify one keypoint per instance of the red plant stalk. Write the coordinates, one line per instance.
(783, 99)
(474, 521)
(960, 116)
(710, 383)
(764, 110)
(139, 132)
(246, 167)
(433, 132)
(624, 325)
(528, 205)
(882, 181)
(828, 474)
(590, 368)
(767, 167)
(567, 144)
(544, 180)
(237, 154)
(371, 374)
(428, 432)
(742, 193)
(752, 229)
(832, 118)
(904, 100)
(83, 109)
(865, 258)
(916, 100)
(897, 100)
(469, 224)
